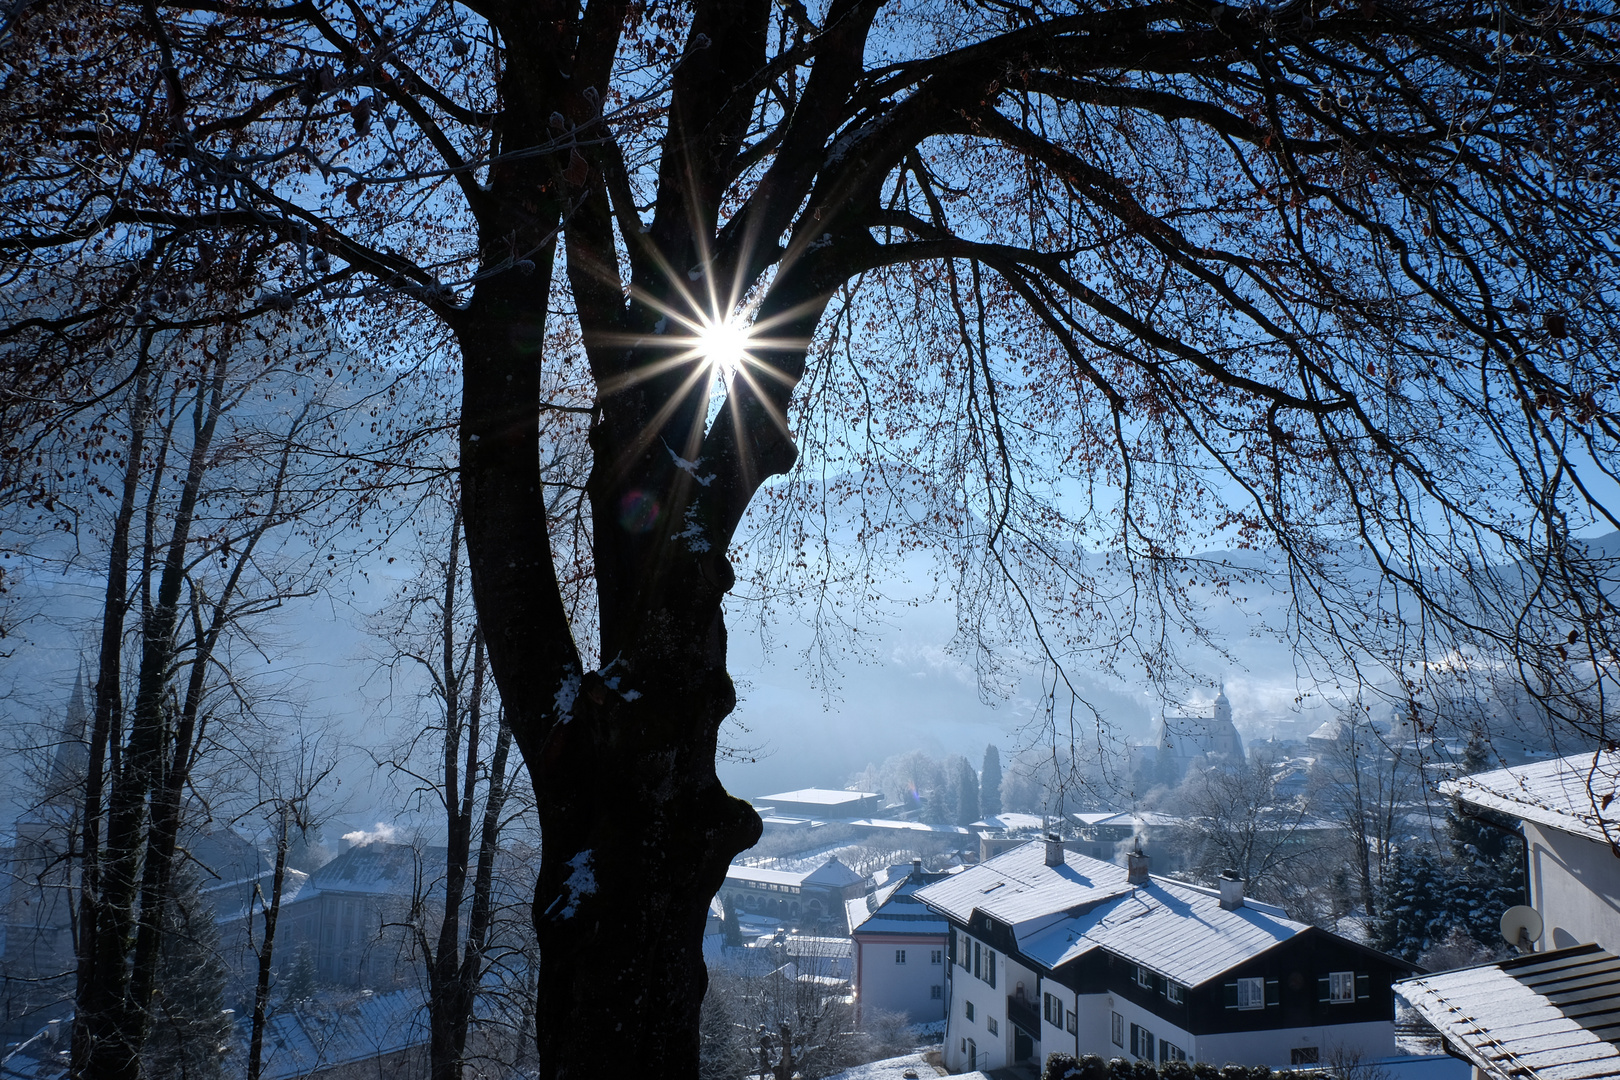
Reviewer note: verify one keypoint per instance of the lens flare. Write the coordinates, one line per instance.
(723, 345)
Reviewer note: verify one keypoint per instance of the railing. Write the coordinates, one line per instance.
(1022, 1012)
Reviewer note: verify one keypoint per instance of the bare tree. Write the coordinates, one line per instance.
(431, 630)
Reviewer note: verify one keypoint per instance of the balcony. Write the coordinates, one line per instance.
(1022, 1011)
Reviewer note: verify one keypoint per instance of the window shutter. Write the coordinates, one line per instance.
(990, 965)
(1273, 995)
(1363, 987)
(1324, 991)
(1229, 994)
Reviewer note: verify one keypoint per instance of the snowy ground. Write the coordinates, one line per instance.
(904, 1067)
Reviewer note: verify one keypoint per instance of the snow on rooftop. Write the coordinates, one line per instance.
(1565, 793)
(818, 796)
(1059, 913)
(1017, 886)
(1179, 931)
(1550, 1015)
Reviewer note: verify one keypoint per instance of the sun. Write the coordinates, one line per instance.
(723, 346)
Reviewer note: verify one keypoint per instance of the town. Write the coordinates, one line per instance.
(864, 926)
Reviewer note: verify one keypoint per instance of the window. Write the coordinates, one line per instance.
(990, 966)
(1074, 1024)
(1118, 1030)
(1342, 987)
(1052, 1010)
(1174, 992)
(967, 1009)
(1142, 1042)
(1144, 978)
(978, 960)
(963, 952)
(1251, 993)
(936, 992)
(1304, 1055)
(936, 956)
(990, 1025)
(1171, 1052)
(899, 956)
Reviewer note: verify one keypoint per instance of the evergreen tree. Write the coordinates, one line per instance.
(301, 983)
(990, 783)
(1487, 852)
(190, 1028)
(1414, 910)
(733, 925)
(967, 792)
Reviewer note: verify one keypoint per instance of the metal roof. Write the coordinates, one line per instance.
(763, 876)
(1549, 1016)
(1565, 793)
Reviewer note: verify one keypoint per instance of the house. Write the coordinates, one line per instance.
(1051, 950)
(812, 900)
(899, 949)
(352, 916)
(1555, 1011)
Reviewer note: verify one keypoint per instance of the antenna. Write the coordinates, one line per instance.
(1522, 926)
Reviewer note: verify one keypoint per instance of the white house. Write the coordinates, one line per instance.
(1554, 1012)
(1055, 951)
(899, 949)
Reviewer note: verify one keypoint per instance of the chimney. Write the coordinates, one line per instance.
(1231, 890)
(1054, 850)
(1136, 866)
(916, 867)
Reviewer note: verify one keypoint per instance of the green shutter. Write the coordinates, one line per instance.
(1324, 989)
(1229, 994)
(1273, 995)
(1363, 984)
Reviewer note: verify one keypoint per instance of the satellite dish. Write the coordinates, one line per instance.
(1521, 926)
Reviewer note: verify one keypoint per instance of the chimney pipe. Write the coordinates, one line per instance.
(916, 866)
(1136, 866)
(1231, 890)
(1054, 850)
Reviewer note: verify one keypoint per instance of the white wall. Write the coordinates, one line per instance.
(1374, 1039)
(1575, 884)
(903, 988)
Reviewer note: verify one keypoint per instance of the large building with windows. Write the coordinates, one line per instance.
(812, 901)
(1052, 951)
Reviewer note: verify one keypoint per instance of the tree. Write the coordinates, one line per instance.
(1264, 273)
(468, 779)
(191, 1030)
(967, 793)
(1368, 785)
(1236, 820)
(990, 782)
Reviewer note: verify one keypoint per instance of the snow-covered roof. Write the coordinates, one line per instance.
(902, 825)
(1059, 913)
(760, 875)
(301, 1040)
(832, 874)
(1012, 822)
(1566, 793)
(1553, 1015)
(381, 869)
(895, 909)
(1017, 887)
(1179, 931)
(817, 796)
